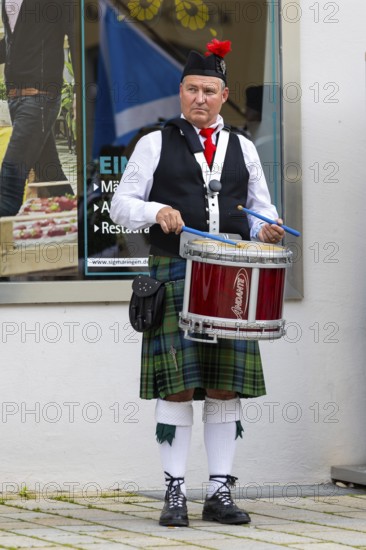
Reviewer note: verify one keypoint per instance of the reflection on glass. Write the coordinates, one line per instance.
(115, 108)
(125, 53)
(38, 205)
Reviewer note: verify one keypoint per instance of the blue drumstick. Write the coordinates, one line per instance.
(208, 235)
(285, 227)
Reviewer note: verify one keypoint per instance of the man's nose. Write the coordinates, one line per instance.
(201, 97)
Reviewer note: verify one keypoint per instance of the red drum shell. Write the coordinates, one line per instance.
(233, 291)
(223, 291)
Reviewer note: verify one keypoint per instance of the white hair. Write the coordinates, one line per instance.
(223, 85)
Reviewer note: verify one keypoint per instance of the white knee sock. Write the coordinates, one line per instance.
(174, 457)
(220, 418)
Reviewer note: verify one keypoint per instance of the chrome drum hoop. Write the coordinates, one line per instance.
(197, 326)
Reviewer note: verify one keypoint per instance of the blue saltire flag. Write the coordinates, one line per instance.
(138, 82)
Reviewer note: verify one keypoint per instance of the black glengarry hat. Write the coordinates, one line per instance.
(211, 63)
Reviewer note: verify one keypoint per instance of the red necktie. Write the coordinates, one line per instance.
(210, 148)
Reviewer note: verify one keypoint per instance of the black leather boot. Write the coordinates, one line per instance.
(174, 513)
(220, 507)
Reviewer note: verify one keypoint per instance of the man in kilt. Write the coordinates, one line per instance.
(168, 191)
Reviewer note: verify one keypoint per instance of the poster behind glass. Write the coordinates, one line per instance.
(122, 83)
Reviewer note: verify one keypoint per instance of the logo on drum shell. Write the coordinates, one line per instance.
(241, 287)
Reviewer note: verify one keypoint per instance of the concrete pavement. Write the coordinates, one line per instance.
(323, 517)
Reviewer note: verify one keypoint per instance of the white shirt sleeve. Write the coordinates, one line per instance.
(258, 199)
(130, 206)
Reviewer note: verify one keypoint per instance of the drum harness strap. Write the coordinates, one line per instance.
(208, 174)
(214, 174)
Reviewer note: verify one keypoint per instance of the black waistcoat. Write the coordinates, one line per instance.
(178, 182)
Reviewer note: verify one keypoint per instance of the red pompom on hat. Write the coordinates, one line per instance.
(218, 48)
(210, 64)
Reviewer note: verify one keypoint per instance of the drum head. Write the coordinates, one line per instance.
(242, 252)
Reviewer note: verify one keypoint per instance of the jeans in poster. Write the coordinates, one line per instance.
(32, 145)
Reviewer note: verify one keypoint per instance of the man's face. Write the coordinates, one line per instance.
(201, 99)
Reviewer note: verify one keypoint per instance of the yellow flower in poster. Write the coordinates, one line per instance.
(192, 14)
(144, 10)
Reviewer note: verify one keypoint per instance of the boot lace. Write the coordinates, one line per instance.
(223, 493)
(174, 493)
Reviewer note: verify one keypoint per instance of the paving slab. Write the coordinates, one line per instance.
(108, 546)
(22, 516)
(330, 522)
(17, 541)
(53, 547)
(354, 501)
(55, 521)
(324, 546)
(265, 536)
(237, 544)
(340, 536)
(9, 524)
(332, 505)
(274, 512)
(55, 535)
(124, 546)
(145, 541)
(45, 503)
(358, 514)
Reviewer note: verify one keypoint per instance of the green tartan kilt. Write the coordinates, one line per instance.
(171, 363)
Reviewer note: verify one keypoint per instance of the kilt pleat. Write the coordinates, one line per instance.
(171, 363)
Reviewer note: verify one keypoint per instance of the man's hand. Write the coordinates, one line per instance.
(271, 233)
(170, 220)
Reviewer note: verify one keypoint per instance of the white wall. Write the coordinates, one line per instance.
(314, 412)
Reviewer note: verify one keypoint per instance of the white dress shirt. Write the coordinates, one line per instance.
(12, 8)
(131, 208)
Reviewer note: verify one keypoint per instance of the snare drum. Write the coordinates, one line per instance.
(233, 291)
